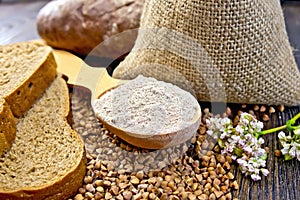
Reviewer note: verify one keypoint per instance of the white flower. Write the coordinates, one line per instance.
(260, 126)
(285, 149)
(253, 161)
(290, 144)
(223, 135)
(256, 170)
(249, 138)
(256, 125)
(246, 118)
(225, 121)
(292, 151)
(219, 126)
(241, 162)
(253, 123)
(241, 144)
(207, 121)
(297, 132)
(235, 138)
(247, 149)
(265, 172)
(239, 129)
(233, 157)
(255, 177)
(261, 162)
(281, 135)
(209, 132)
(260, 152)
(298, 154)
(260, 141)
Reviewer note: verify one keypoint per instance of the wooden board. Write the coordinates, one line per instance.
(17, 23)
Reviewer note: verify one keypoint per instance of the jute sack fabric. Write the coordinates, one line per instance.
(221, 51)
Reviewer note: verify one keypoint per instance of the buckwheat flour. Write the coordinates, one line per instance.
(147, 106)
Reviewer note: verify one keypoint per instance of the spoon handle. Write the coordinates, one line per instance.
(96, 79)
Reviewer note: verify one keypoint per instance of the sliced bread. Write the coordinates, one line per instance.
(47, 159)
(26, 70)
(7, 127)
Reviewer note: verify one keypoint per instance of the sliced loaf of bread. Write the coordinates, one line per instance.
(7, 127)
(26, 70)
(47, 159)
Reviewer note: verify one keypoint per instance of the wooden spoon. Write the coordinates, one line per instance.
(98, 81)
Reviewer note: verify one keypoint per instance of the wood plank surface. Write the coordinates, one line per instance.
(17, 23)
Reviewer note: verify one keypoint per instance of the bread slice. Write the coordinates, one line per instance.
(7, 127)
(26, 70)
(47, 159)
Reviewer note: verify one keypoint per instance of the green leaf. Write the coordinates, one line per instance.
(221, 143)
(264, 157)
(238, 152)
(287, 157)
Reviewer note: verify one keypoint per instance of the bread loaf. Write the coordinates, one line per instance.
(47, 159)
(81, 25)
(26, 71)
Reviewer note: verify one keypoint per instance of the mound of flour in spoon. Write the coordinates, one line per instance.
(147, 106)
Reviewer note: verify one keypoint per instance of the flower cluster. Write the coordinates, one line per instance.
(241, 143)
(291, 144)
(218, 126)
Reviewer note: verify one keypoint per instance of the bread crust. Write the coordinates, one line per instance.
(7, 127)
(80, 26)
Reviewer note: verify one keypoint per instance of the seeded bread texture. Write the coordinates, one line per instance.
(26, 71)
(47, 159)
(7, 127)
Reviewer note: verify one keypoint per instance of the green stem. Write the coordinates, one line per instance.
(292, 121)
(288, 126)
(272, 130)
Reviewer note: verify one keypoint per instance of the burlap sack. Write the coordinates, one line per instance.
(221, 51)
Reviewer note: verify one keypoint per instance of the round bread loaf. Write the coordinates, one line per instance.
(81, 25)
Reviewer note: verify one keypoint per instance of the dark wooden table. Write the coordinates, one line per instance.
(17, 23)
